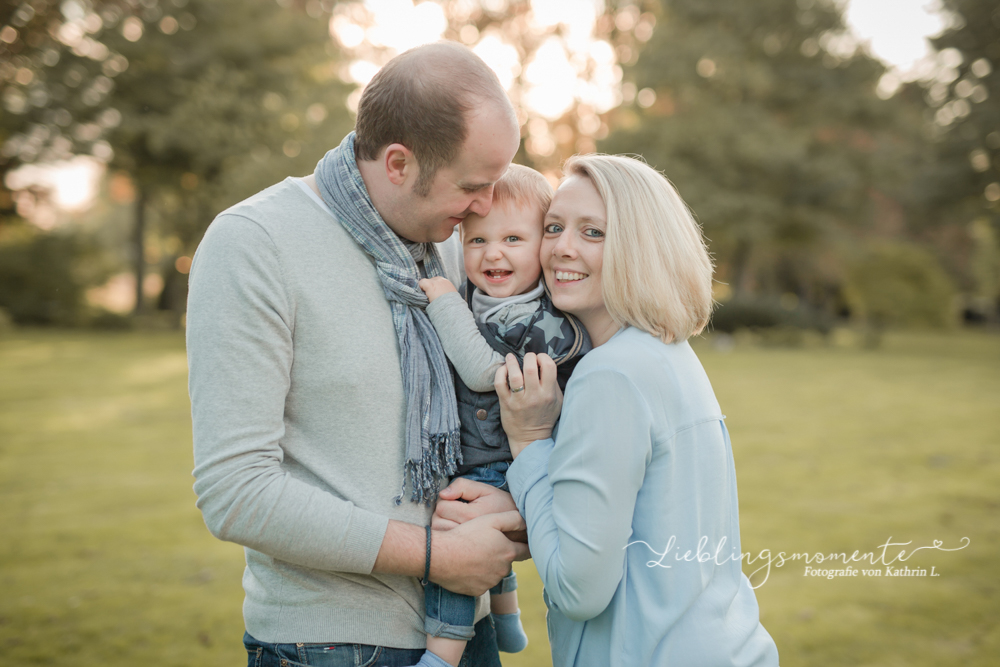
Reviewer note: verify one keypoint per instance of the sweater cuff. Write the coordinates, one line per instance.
(531, 465)
(364, 537)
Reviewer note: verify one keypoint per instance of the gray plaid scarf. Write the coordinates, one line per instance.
(432, 427)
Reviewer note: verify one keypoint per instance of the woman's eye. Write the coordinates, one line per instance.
(594, 233)
(553, 228)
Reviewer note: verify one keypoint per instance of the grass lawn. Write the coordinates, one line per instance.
(105, 560)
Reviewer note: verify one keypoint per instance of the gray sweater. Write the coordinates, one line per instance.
(298, 413)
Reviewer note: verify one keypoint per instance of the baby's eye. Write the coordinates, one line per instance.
(553, 228)
(512, 239)
(478, 239)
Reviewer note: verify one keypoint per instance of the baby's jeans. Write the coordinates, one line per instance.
(452, 615)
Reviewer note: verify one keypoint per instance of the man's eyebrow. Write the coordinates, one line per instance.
(474, 186)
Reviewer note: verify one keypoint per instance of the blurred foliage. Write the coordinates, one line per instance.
(776, 127)
(985, 268)
(900, 285)
(41, 281)
(958, 192)
(513, 36)
(765, 116)
(54, 78)
(200, 103)
(766, 312)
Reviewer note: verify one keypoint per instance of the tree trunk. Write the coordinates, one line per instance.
(741, 268)
(139, 248)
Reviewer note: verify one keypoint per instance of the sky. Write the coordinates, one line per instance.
(896, 30)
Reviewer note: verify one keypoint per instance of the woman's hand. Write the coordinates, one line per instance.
(530, 401)
(435, 287)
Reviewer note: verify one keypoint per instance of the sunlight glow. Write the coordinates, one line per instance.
(73, 184)
(501, 57)
(568, 67)
(896, 31)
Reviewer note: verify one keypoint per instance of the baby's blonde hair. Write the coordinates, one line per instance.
(522, 186)
(657, 273)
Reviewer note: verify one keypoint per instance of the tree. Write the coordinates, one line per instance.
(556, 60)
(959, 192)
(765, 115)
(200, 102)
(54, 76)
(217, 103)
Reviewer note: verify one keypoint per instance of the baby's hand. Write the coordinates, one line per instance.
(435, 287)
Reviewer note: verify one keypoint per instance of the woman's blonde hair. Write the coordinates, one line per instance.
(657, 273)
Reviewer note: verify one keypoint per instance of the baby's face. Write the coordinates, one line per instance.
(501, 250)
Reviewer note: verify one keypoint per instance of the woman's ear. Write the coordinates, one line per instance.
(399, 163)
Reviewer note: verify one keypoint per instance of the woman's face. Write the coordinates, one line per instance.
(572, 253)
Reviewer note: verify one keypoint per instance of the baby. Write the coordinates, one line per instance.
(505, 310)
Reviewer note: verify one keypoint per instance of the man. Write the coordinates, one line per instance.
(317, 391)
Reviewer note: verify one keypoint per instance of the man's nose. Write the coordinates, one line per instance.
(483, 202)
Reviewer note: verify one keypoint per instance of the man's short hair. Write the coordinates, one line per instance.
(521, 187)
(420, 100)
(657, 273)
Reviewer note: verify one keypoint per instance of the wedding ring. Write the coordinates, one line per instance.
(514, 391)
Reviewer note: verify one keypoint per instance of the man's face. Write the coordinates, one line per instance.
(466, 185)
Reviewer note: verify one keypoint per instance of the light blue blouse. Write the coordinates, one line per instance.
(633, 517)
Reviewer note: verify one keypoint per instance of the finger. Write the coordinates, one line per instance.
(545, 363)
(455, 489)
(547, 371)
(531, 379)
(521, 551)
(454, 511)
(508, 521)
(518, 536)
(465, 489)
(500, 383)
(438, 523)
(515, 378)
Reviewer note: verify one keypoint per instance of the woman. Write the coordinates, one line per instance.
(631, 506)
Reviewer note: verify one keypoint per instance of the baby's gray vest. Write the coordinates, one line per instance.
(483, 437)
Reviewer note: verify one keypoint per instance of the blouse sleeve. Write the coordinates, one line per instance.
(578, 493)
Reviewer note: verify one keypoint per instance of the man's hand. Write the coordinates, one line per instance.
(470, 559)
(435, 287)
(465, 500)
(475, 556)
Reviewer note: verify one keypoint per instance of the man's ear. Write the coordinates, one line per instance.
(399, 163)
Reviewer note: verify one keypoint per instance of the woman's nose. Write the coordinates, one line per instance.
(564, 246)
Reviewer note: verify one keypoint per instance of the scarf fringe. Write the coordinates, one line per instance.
(440, 460)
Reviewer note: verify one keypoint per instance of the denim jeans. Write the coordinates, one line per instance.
(448, 614)
(481, 652)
